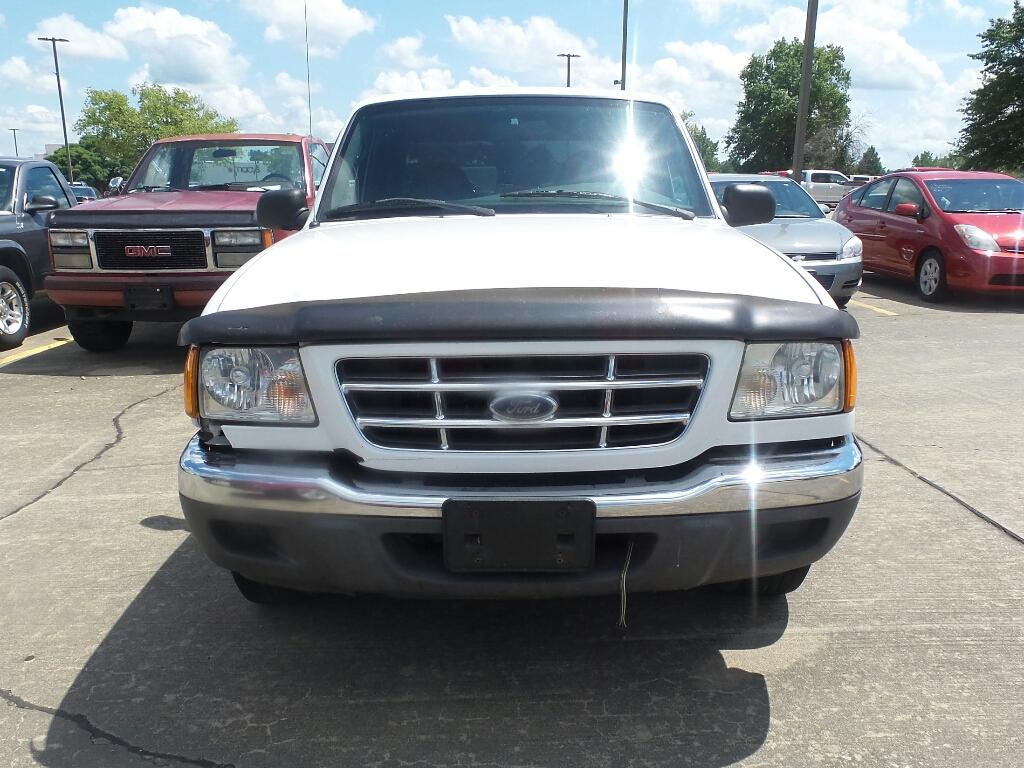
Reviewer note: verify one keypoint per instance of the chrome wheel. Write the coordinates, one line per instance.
(12, 309)
(930, 276)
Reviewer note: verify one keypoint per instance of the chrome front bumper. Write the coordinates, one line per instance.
(296, 483)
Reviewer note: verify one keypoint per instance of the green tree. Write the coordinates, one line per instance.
(707, 147)
(993, 133)
(927, 160)
(88, 165)
(121, 132)
(762, 137)
(870, 163)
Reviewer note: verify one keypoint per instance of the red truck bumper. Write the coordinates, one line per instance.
(190, 292)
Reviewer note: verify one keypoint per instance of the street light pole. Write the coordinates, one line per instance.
(15, 132)
(625, 26)
(568, 67)
(805, 91)
(60, 96)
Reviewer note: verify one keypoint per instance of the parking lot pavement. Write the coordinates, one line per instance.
(122, 646)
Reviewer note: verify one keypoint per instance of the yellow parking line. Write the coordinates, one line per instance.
(22, 354)
(879, 310)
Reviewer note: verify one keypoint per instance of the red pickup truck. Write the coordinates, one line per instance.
(181, 224)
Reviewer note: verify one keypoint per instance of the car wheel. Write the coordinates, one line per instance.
(767, 586)
(100, 335)
(265, 594)
(15, 310)
(931, 277)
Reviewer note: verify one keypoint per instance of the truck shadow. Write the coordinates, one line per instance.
(191, 673)
(152, 350)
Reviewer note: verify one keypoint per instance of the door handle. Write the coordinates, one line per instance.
(882, 225)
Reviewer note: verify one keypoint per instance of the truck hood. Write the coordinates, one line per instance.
(176, 200)
(801, 235)
(408, 255)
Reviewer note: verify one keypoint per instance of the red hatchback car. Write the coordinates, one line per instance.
(946, 230)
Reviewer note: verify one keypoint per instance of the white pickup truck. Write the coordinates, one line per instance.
(828, 187)
(518, 350)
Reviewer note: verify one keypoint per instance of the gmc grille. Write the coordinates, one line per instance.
(188, 250)
(444, 403)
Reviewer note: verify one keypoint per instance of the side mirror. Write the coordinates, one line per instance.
(282, 209)
(41, 203)
(910, 210)
(747, 204)
(824, 209)
(116, 184)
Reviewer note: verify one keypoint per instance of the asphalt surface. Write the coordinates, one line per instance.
(120, 645)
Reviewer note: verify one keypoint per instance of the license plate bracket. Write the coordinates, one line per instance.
(149, 297)
(518, 536)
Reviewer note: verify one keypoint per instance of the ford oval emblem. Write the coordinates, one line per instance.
(523, 406)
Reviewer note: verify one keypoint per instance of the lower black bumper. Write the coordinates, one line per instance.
(403, 556)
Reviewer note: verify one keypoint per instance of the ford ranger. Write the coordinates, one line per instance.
(184, 221)
(518, 349)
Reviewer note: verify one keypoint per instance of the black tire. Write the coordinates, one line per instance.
(15, 310)
(100, 335)
(265, 594)
(768, 586)
(931, 277)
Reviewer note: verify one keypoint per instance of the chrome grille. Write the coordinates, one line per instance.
(822, 256)
(444, 403)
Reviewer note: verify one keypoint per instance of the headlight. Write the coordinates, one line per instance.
(854, 248)
(264, 384)
(238, 238)
(976, 237)
(69, 239)
(791, 379)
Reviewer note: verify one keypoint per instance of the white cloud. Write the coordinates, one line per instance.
(19, 73)
(2, 19)
(332, 23)
(964, 12)
(481, 77)
(411, 81)
(710, 11)
(37, 125)
(877, 53)
(83, 42)
(407, 53)
(293, 86)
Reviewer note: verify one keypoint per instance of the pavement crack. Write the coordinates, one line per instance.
(96, 732)
(118, 437)
(944, 491)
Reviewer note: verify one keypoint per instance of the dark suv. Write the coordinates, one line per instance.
(29, 190)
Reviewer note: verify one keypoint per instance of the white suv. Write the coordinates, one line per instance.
(827, 187)
(518, 350)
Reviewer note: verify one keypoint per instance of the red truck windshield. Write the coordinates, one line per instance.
(223, 165)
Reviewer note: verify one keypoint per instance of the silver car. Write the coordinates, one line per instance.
(802, 231)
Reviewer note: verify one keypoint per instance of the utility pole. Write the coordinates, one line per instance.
(805, 91)
(15, 132)
(568, 67)
(625, 25)
(60, 96)
(309, 90)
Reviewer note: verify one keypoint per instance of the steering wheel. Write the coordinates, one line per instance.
(276, 177)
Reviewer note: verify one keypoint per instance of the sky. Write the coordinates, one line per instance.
(909, 59)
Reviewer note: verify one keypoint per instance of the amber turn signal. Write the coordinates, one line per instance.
(850, 364)
(268, 238)
(192, 382)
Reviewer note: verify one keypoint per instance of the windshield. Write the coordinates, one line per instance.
(6, 187)
(963, 195)
(220, 165)
(492, 151)
(791, 201)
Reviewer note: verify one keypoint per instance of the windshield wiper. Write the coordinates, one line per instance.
(161, 188)
(405, 204)
(575, 194)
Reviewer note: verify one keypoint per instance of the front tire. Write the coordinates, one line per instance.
(931, 278)
(265, 594)
(769, 586)
(15, 310)
(100, 335)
